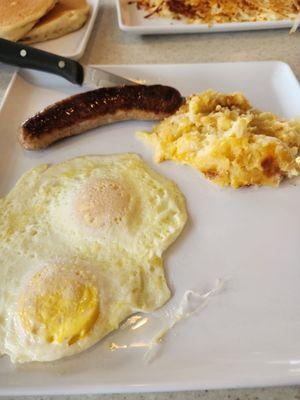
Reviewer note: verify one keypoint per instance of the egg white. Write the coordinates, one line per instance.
(40, 227)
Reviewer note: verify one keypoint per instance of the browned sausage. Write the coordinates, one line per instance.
(84, 111)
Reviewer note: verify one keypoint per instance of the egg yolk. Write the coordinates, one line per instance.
(102, 203)
(61, 306)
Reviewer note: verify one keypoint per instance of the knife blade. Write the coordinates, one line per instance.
(96, 77)
(25, 56)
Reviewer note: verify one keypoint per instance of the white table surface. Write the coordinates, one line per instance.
(108, 45)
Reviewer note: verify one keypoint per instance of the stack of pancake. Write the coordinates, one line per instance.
(33, 21)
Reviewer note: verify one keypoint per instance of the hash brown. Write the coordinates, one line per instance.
(221, 11)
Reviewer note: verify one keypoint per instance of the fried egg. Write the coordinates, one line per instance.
(228, 140)
(81, 245)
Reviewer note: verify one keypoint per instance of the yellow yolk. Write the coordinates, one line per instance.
(102, 203)
(62, 306)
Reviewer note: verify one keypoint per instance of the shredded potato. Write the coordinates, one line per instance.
(228, 140)
(220, 11)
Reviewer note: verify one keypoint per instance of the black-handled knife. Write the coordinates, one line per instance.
(24, 56)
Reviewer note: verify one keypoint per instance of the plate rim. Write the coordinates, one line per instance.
(286, 65)
(83, 44)
(139, 388)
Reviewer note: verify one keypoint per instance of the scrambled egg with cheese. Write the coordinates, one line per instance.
(221, 11)
(228, 140)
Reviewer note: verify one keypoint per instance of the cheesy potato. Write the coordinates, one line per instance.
(228, 140)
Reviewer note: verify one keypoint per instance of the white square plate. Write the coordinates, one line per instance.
(73, 44)
(133, 20)
(248, 335)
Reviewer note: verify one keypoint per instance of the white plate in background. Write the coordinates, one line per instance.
(73, 44)
(248, 335)
(133, 20)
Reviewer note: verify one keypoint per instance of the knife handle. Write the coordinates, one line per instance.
(24, 56)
